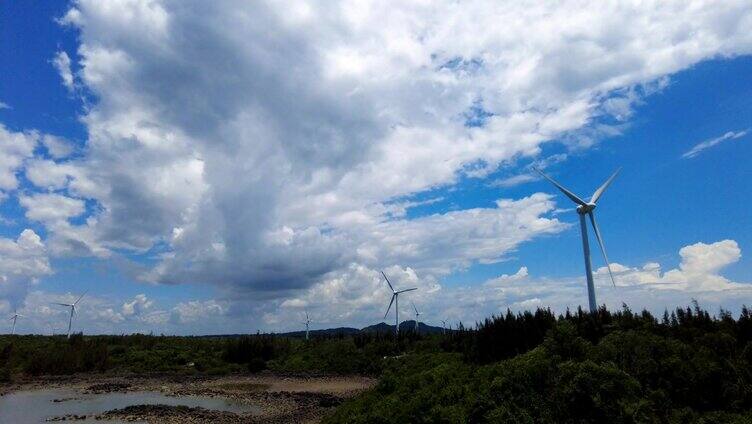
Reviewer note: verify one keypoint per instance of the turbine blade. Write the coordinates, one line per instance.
(80, 297)
(601, 189)
(390, 305)
(416, 309)
(387, 281)
(603, 248)
(407, 290)
(62, 304)
(561, 187)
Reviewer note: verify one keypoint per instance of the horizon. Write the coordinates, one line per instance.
(197, 168)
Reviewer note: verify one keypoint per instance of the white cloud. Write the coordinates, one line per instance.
(22, 262)
(109, 315)
(514, 180)
(51, 208)
(4, 105)
(699, 148)
(195, 310)
(62, 63)
(529, 174)
(57, 147)
(521, 274)
(697, 272)
(15, 148)
(138, 306)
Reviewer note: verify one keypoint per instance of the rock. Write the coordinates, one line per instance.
(69, 417)
(107, 388)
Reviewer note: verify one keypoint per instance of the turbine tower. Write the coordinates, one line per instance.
(14, 318)
(395, 300)
(417, 315)
(307, 323)
(586, 208)
(72, 307)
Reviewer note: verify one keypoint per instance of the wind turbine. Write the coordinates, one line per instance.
(395, 300)
(14, 318)
(307, 323)
(443, 326)
(72, 307)
(586, 208)
(417, 315)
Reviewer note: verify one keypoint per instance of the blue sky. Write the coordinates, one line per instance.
(209, 185)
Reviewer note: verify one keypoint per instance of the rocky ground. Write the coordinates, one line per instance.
(281, 398)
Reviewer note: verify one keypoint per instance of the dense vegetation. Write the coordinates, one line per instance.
(687, 366)
(603, 367)
(45, 355)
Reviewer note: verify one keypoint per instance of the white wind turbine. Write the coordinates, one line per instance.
(586, 208)
(307, 323)
(72, 307)
(395, 300)
(14, 318)
(417, 315)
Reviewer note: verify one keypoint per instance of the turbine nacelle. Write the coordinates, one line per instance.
(586, 208)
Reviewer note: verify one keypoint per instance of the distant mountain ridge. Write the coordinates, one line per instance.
(382, 327)
(405, 326)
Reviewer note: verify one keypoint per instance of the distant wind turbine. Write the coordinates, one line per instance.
(307, 323)
(72, 307)
(443, 326)
(15, 318)
(417, 315)
(586, 208)
(395, 300)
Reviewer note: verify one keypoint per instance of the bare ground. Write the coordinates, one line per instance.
(282, 398)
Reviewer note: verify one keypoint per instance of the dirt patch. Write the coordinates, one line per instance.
(171, 414)
(331, 385)
(241, 387)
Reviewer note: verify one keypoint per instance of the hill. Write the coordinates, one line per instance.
(405, 327)
(382, 327)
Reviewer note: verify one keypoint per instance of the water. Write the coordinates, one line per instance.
(36, 405)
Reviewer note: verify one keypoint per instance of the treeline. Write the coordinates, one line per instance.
(137, 353)
(53, 356)
(535, 367)
(505, 336)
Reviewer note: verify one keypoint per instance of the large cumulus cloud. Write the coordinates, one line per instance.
(263, 145)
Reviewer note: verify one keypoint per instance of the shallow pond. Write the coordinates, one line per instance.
(36, 406)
